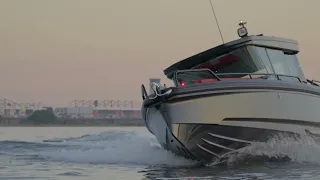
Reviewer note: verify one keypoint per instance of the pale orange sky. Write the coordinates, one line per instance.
(55, 51)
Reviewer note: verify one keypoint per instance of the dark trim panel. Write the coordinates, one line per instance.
(280, 121)
(179, 98)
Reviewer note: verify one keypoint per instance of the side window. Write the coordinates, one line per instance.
(278, 60)
(265, 59)
(280, 64)
(294, 66)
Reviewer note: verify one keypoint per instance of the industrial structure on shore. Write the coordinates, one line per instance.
(113, 109)
(9, 108)
(77, 109)
(100, 109)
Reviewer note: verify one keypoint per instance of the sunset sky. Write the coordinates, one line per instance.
(55, 51)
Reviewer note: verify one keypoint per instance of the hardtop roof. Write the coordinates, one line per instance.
(284, 44)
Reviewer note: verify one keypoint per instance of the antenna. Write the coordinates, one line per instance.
(214, 14)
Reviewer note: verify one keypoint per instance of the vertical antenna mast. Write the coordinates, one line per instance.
(214, 14)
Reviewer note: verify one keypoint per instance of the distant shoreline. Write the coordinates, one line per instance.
(67, 125)
(73, 122)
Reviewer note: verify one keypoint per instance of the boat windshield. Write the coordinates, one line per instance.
(238, 61)
(257, 61)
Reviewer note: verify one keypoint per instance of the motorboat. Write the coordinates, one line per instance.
(226, 98)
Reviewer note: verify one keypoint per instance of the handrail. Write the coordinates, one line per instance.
(157, 89)
(158, 92)
(263, 74)
(216, 76)
(313, 82)
(175, 74)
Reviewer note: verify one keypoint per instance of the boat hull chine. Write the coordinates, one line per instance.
(212, 143)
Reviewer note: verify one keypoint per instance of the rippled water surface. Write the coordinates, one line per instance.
(133, 153)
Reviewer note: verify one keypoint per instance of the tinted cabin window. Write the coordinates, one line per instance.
(255, 60)
(237, 61)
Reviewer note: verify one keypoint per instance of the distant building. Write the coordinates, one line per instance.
(117, 113)
(114, 109)
(60, 112)
(21, 112)
(74, 112)
(50, 109)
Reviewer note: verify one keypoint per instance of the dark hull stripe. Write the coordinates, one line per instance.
(281, 121)
(186, 97)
